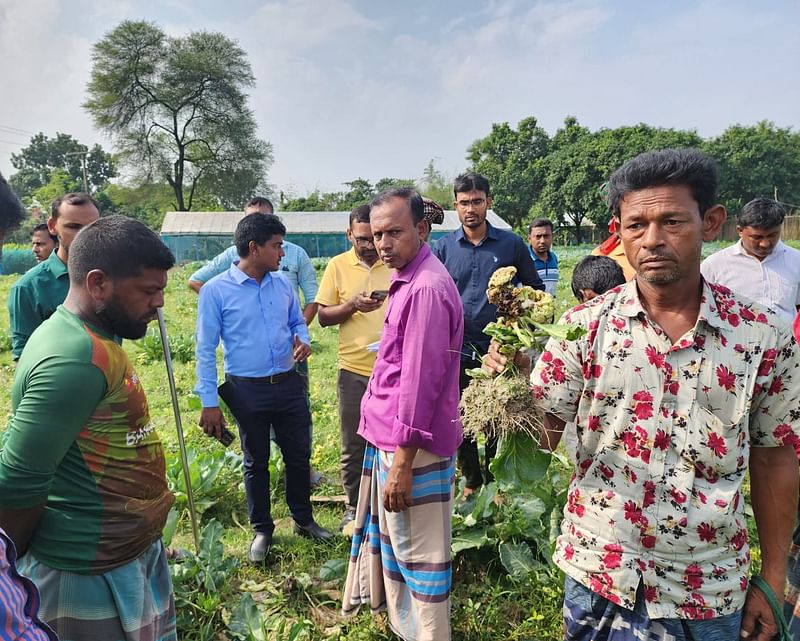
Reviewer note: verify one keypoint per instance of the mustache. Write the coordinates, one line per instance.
(660, 255)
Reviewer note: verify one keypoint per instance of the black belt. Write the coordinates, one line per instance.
(269, 380)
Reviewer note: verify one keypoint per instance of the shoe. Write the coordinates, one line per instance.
(316, 478)
(259, 548)
(349, 515)
(313, 531)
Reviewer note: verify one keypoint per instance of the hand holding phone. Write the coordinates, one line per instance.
(379, 294)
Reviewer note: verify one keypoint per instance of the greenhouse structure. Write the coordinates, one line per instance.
(201, 235)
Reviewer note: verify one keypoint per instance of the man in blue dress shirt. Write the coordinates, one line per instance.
(254, 309)
(472, 254)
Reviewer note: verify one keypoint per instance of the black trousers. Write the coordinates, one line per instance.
(468, 457)
(257, 405)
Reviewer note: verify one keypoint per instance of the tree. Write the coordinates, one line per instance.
(580, 161)
(177, 110)
(36, 163)
(510, 159)
(360, 192)
(757, 161)
(436, 186)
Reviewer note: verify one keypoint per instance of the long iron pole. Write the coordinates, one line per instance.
(162, 328)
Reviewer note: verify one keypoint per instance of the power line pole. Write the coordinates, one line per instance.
(83, 155)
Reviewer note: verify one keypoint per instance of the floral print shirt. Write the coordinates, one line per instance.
(662, 443)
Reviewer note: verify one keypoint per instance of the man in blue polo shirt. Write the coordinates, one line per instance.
(540, 240)
(472, 254)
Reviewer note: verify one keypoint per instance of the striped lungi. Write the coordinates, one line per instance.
(133, 602)
(591, 617)
(400, 561)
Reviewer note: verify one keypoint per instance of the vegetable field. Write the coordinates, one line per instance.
(505, 588)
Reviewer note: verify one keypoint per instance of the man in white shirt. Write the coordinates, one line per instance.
(760, 266)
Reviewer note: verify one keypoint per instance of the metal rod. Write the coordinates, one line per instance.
(162, 328)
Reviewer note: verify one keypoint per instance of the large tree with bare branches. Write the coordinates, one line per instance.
(176, 108)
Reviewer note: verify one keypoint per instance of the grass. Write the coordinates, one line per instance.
(487, 605)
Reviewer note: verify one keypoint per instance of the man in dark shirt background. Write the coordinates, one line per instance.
(471, 255)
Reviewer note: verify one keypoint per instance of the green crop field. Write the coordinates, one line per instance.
(297, 594)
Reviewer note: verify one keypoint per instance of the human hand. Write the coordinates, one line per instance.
(364, 304)
(495, 362)
(300, 351)
(758, 621)
(397, 488)
(212, 421)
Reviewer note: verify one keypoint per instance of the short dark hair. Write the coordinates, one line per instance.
(119, 246)
(72, 198)
(540, 222)
(468, 181)
(12, 213)
(598, 273)
(359, 215)
(43, 227)
(763, 213)
(688, 167)
(258, 228)
(260, 201)
(413, 199)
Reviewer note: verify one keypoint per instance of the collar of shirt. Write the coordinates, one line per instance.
(780, 247)
(490, 233)
(631, 305)
(240, 277)
(56, 265)
(407, 273)
(355, 261)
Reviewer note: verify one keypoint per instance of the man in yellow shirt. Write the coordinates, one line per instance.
(351, 295)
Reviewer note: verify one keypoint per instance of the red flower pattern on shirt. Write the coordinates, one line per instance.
(664, 433)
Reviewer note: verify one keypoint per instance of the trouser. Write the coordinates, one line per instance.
(350, 388)
(468, 457)
(257, 404)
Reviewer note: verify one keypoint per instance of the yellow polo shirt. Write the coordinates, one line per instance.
(344, 277)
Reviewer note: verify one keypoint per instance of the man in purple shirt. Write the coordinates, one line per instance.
(410, 420)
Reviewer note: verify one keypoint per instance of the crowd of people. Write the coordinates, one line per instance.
(686, 379)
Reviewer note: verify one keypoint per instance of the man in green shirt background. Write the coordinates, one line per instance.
(83, 490)
(35, 296)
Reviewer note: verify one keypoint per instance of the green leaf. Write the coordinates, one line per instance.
(194, 403)
(170, 526)
(519, 463)
(562, 331)
(470, 539)
(333, 569)
(517, 559)
(245, 621)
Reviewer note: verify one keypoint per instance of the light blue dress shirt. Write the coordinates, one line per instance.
(295, 265)
(257, 323)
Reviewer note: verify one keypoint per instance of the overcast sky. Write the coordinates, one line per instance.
(359, 88)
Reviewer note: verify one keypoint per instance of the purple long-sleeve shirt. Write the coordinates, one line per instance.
(412, 396)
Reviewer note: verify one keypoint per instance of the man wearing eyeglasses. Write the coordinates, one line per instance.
(351, 295)
(472, 254)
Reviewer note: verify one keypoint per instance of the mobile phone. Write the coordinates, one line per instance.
(379, 294)
(227, 437)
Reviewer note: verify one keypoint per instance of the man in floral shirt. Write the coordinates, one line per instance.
(677, 389)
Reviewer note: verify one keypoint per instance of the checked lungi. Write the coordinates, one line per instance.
(400, 561)
(133, 602)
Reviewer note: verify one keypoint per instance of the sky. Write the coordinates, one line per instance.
(359, 88)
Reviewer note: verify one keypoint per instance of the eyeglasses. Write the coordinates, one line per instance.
(364, 242)
(475, 202)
